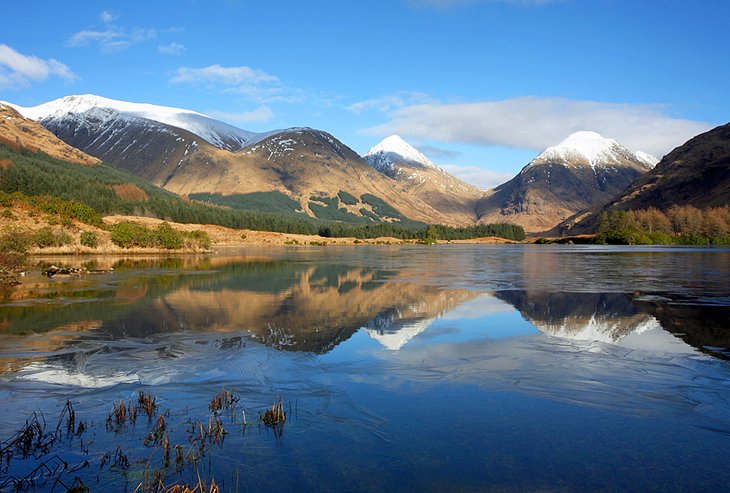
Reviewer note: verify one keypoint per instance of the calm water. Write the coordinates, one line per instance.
(452, 368)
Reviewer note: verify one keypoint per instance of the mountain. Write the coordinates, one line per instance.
(696, 173)
(581, 172)
(416, 175)
(215, 132)
(393, 153)
(19, 132)
(298, 170)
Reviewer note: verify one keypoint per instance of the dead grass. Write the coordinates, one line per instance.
(275, 416)
(130, 192)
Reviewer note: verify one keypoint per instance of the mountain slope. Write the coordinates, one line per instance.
(696, 173)
(416, 175)
(299, 165)
(215, 132)
(17, 131)
(583, 171)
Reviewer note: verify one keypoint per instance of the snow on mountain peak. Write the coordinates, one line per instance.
(216, 132)
(393, 150)
(647, 158)
(593, 148)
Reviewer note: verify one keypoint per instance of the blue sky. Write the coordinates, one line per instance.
(481, 86)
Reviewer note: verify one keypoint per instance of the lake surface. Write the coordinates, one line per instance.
(449, 368)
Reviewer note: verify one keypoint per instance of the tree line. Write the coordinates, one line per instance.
(683, 224)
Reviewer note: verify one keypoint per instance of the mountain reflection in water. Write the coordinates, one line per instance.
(411, 369)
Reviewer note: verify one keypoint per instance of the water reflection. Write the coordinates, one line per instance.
(393, 365)
(288, 305)
(648, 322)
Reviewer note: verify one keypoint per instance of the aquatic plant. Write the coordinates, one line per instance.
(275, 416)
(224, 399)
(148, 403)
(155, 436)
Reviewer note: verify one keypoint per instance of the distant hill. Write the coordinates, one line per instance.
(581, 172)
(419, 177)
(191, 154)
(696, 173)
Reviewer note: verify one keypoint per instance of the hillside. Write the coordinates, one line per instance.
(696, 174)
(417, 176)
(583, 171)
(17, 131)
(191, 154)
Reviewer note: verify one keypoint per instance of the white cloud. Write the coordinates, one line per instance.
(390, 102)
(18, 70)
(171, 49)
(477, 176)
(261, 114)
(536, 123)
(107, 17)
(256, 84)
(216, 74)
(112, 38)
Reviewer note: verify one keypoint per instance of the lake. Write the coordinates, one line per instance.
(398, 368)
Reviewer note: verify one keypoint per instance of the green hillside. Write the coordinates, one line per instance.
(107, 190)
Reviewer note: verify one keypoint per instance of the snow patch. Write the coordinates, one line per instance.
(594, 149)
(219, 134)
(394, 150)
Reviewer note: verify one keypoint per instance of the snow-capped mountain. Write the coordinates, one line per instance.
(419, 176)
(583, 171)
(393, 151)
(695, 173)
(594, 149)
(87, 108)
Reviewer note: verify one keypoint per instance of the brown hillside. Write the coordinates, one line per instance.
(20, 132)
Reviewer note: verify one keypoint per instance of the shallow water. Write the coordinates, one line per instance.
(451, 368)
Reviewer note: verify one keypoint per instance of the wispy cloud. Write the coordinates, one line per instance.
(18, 70)
(261, 114)
(536, 123)
(390, 102)
(107, 17)
(477, 176)
(112, 38)
(228, 76)
(255, 84)
(171, 49)
(437, 153)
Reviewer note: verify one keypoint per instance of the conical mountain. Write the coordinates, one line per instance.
(418, 176)
(583, 171)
